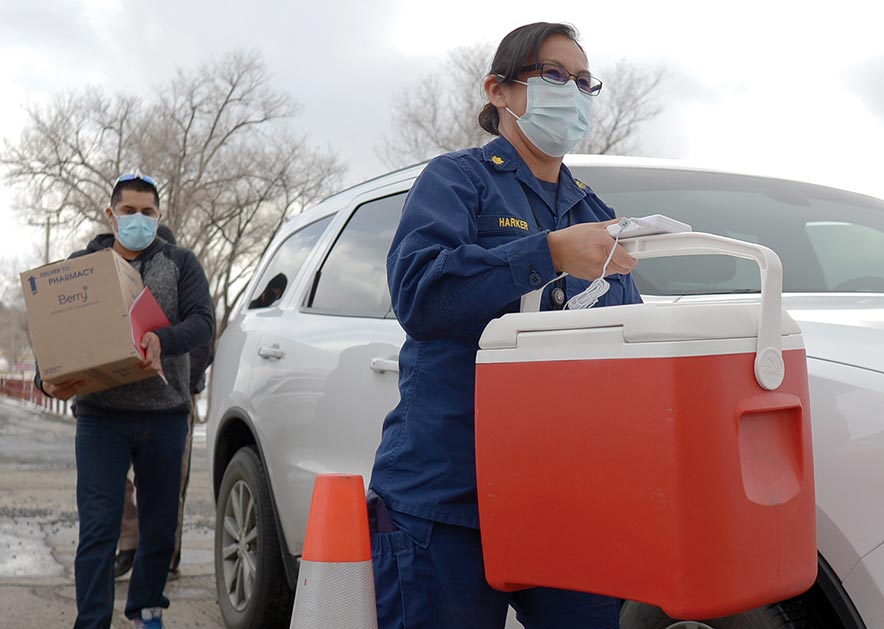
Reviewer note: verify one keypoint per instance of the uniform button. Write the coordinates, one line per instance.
(557, 296)
(535, 279)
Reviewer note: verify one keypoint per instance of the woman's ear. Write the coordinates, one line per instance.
(495, 91)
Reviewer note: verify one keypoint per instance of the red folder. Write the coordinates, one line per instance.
(146, 315)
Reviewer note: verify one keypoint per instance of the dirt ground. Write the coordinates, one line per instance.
(38, 529)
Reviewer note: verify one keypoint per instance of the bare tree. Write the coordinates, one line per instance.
(628, 99)
(65, 161)
(440, 113)
(15, 346)
(219, 141)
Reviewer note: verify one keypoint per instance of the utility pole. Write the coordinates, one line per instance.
(51, 212)
(46, 240)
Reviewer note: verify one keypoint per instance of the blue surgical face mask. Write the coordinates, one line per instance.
(557, 116)
(136, 231)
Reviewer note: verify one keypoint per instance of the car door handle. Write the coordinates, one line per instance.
(272, 352)
(382, 365)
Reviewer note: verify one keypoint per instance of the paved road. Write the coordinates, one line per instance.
(38, 530)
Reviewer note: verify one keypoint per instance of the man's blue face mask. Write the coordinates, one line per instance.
(136, 231)
(556, 117)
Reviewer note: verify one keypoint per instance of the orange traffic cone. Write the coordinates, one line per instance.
(336, 581)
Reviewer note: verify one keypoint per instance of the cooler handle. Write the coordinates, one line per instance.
(769, 366)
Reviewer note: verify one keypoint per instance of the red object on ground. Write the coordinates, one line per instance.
(673, 480)
(337, 527)
(335, 580)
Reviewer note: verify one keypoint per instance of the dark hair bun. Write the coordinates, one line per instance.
(489, 119)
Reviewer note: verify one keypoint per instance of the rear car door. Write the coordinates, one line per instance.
(321, 388)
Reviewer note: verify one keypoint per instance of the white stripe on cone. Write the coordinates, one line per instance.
(335, 595)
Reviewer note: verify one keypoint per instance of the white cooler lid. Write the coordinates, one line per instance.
(641, 323)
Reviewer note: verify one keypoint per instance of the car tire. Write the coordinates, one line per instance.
(249, 573)
(795, 613)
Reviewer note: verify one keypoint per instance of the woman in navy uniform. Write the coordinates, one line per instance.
(480, 228)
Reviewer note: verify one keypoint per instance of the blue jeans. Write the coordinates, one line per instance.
(430, 575)
(106, 447)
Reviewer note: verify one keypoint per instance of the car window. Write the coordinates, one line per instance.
(353, 279)
(828, 240)
(285, 265)
(843, 250)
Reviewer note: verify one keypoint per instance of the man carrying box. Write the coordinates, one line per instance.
(143, 424)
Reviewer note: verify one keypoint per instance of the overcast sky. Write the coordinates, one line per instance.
(794, 89)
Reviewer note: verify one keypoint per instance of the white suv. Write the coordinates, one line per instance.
(307, 370)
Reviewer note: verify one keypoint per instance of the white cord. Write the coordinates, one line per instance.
(599, 286)
(610, 254)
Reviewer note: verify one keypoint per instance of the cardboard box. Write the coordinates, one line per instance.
(81, 322)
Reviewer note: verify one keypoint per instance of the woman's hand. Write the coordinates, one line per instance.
(581, 251)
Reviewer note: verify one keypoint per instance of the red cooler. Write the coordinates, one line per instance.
(656, 452)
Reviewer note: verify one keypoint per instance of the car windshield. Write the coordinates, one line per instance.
(828, 240)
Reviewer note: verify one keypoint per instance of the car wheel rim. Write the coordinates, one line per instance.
(689, 624)
(239, 542)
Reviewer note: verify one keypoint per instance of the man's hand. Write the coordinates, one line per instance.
(153, 350)
(581, 251)
(64, 390)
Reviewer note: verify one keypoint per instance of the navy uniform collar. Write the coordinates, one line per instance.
(504, 158)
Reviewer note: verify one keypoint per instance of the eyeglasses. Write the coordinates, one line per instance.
(132, 176)
(557, 75)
